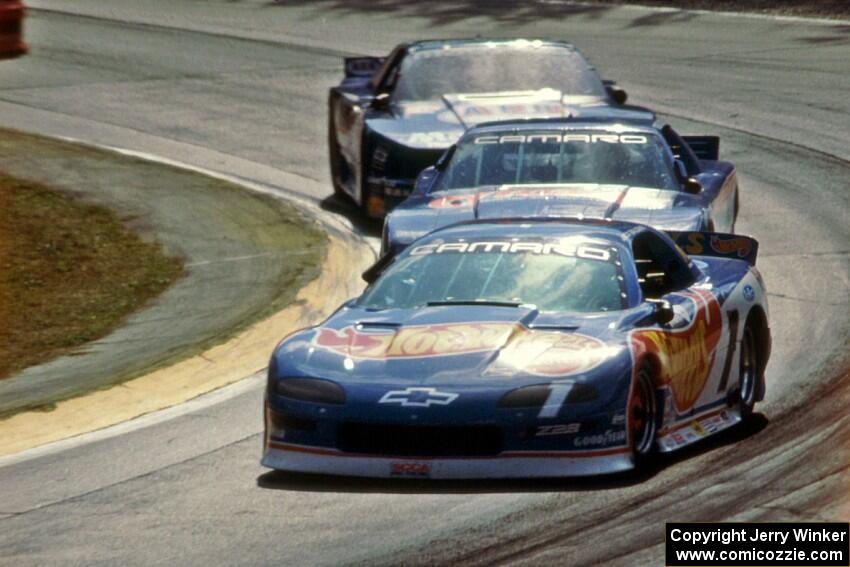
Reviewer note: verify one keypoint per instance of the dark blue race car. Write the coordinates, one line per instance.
(626, 170)
(393, 116)
(524, 348)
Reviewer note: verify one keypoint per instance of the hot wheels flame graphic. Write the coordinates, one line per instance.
(686, 355)
(742, 246)
(548, 353)
(695, 243)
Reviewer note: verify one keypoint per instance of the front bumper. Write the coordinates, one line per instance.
(305, 459)
(327, 446)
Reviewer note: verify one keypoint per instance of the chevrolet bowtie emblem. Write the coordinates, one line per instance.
(418, 397)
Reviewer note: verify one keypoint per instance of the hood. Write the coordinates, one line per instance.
(461, 345)
(439, 123)
(663, 209)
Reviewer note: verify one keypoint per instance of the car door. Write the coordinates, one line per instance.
(688, 346)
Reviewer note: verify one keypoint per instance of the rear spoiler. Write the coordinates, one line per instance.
(363, 67)
(705, 147)
(717, 244)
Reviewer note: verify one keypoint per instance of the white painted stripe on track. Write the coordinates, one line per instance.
(203, 401)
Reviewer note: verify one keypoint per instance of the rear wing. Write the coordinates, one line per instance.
(363, 67)
(705, 147)
(717, 244)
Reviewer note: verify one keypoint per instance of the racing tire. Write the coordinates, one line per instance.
(748, 372)
(336, 161)
(643, 417)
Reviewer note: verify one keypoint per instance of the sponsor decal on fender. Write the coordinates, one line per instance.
(546, 353)
(601, 439)
(686, 355)
(559, 429)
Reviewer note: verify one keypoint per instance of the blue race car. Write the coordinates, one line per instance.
(620, 169)
(393, 116)
(524, 348)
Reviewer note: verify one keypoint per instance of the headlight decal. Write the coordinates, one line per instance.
(313, 390)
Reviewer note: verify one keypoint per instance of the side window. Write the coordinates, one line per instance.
(661, 268)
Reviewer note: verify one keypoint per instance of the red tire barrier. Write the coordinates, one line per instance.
(11, 29)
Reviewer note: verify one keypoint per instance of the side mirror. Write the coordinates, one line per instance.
(372, 272)
(425, 180)
(617, 94)
(692, 186)
(380, 102)
(663, 310)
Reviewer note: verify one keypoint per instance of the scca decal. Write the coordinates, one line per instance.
(410, 469)
(686, 355)
(544, 353)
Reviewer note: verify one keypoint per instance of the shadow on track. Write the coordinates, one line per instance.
(444, 12)
(840, 34)
(303, 482)
(346, 208)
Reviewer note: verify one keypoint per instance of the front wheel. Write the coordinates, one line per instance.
(643, 417)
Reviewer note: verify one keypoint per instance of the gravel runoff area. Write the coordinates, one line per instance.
(245, 256)
(811, 8)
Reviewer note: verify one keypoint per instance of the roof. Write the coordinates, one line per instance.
(479, 41)
(599, 120)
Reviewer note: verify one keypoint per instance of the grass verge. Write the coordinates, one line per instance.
(70, 272)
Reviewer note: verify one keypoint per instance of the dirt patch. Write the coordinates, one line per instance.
(70, 272)
(812, 8)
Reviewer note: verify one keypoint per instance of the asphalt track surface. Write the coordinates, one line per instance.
(240, 87)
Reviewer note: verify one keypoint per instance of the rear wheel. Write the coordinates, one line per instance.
(643, 417)
(748, 374)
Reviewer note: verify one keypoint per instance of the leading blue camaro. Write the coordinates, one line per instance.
(525, 348)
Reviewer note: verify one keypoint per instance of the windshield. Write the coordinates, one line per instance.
(431, 73)
(554, 275)
(572, 156)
